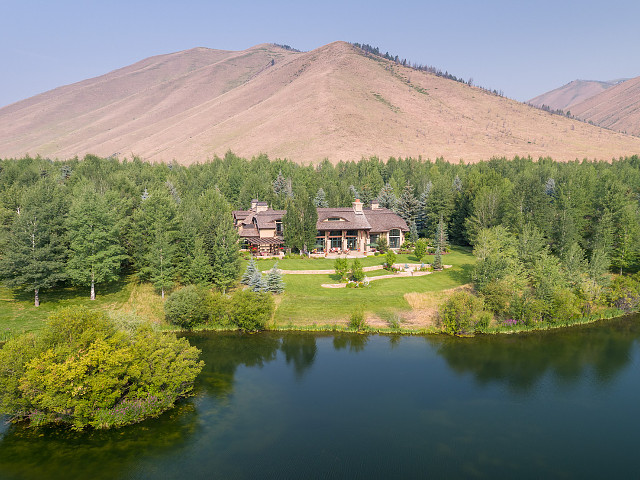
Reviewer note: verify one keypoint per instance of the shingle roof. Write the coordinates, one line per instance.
(352, 220)
(267, 219)
(383, 220)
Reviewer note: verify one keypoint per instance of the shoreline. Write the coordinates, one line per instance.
(610, 314)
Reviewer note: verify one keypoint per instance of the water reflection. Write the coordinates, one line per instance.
(59, 453)
(353, 341)
(520, 361)
(299, 350)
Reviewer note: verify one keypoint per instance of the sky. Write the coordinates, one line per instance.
(520, 47)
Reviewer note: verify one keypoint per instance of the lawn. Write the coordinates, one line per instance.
(303, 303)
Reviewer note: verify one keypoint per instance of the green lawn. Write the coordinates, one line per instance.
(305, 302)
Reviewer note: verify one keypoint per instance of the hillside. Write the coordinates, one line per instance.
(334, 102)
(565, 97)
(617, 108)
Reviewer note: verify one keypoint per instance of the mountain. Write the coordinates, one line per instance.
(565, 97)
(335, 102)
(617, 108)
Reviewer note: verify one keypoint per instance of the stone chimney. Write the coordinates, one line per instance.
(375, 205)
(254, 203)
(357, 207)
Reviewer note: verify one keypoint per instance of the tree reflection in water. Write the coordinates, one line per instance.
(520, 361)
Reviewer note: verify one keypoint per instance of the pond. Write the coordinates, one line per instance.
(559, 404)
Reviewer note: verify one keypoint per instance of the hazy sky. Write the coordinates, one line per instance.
(523, 48)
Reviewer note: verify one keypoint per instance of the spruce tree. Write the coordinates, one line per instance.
(386, 197)
(413, 232)
(321, 200)
(437, 259)
(274, 283)
(257, 283)
(249, 272)
(408, 206)
(441, 238)
(222, 243)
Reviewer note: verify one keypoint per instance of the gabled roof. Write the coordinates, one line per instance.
(267, 219)
(352, 220)
(383, 220)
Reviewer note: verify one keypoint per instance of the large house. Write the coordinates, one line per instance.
(339, 229)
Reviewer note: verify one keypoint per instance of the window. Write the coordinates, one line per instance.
(373, 240)
(334, 219)
(320, 242)
(335, 237)
(352, 239)
(394, 238)
(278, 227)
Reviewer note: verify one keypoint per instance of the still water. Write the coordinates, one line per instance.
(561, 404)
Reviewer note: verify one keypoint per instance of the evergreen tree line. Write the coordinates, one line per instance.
(87, 221)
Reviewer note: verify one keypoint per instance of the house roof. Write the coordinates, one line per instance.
(350, 219)
(268, 218)
(383, 220)
(375, 220)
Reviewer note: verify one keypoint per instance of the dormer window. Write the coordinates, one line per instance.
(334, 219)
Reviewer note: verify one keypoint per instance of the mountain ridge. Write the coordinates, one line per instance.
(334, 102)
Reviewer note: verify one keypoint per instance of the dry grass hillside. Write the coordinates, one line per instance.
(617, 108)
(334, 102)
(565, 97)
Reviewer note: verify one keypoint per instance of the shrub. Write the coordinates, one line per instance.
(421, 248)
(463, 313)
(357, 321)
(250, 311)
(357, 273)
(624, 293)
(526, 308)
(188, 306)
(390, 259)
(341, 267)
(565, 306)
(84, 372)
(382, 246)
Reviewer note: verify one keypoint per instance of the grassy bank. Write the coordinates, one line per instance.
(304, 303)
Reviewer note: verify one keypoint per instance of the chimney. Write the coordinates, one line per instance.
(254, 203)
(261, 207)
(357, 207)
(375, 205)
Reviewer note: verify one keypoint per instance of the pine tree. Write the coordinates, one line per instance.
(222, 244)
(200, 271)
(154, 237)
(408, 206)
(413, 232)
(421, 220)
(257, 283)
(95, 253)
(249, 272)
(386, 197)
(437, 259)
(441, 238)
(279, 184)
(274, 283)
(457, 184)
(35, 252)
(320, 201)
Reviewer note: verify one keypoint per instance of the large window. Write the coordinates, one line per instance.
(373, 239)
(320, 246)
(352, 239)
(394, 238)
(335, 237)
(278, 227)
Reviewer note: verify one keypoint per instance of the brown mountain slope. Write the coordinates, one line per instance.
(565, 97)
(617, 108)
(334, 102)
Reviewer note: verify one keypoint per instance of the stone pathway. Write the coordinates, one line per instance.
(321, 272)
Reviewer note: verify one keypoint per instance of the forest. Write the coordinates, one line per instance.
(547, 235)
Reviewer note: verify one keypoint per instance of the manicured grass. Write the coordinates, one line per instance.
(305, 302)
